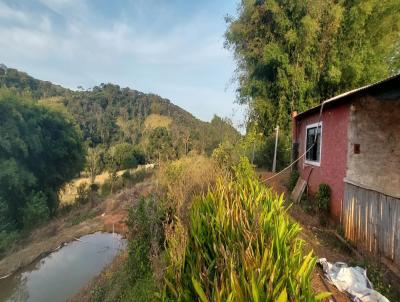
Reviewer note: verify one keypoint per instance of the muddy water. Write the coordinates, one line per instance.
(60, 275)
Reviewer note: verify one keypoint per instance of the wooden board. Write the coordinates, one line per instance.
(298, 190)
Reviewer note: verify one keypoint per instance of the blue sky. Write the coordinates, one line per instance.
(173, 48)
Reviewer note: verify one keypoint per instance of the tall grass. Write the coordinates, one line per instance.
(183, 178)
(241, 246)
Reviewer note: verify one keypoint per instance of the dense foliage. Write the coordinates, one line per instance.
(123, 156)
(109, 115)
(293, 53)
(145, 226)
(241, 246)
(22, 82)
(40, 150)
(159, 146)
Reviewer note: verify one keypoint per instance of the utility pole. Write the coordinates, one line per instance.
(254, 144)
(276, 148)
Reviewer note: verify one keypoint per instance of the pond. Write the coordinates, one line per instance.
(62, 273)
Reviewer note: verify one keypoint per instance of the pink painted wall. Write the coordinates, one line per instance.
(332, 169)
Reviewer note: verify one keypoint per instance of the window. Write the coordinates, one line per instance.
(313, 144)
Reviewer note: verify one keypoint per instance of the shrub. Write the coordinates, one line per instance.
(323, 197)
(36, 211)
(226, 155)
(126, 175)
(139, 176)
(94, 187)
(241, 246)
(243, 170)
(65, 209)
(6, 240)
(145, 232)
(294, 176)
(5, 222)
(139, 244)
(123, 156)
(105, 188)
(82, 194)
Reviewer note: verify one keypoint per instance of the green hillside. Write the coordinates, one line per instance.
(108, 114)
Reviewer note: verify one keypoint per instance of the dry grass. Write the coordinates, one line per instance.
(184, 178)
(180, 181)
(156, 120)
(69, 193)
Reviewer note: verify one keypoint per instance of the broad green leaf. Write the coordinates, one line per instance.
(283, 296)
(199, 290)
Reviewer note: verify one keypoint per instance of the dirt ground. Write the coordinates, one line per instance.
(109, 216)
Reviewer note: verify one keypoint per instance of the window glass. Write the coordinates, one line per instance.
(313, 144)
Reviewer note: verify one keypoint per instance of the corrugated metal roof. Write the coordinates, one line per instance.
(344, 95)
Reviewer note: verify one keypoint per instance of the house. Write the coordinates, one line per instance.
(352, 143)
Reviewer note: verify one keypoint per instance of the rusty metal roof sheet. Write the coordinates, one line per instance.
(345, 96)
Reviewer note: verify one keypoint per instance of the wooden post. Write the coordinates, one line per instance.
(294, 151)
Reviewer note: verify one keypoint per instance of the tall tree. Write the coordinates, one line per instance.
(94, 162)
(291, 54)
(160, 146)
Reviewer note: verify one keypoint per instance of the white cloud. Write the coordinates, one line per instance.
(180, 46)
(66, 6)
(6, 12)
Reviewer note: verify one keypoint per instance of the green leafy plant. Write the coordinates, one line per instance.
(226, 155)
(323, 197)
(145, 229)
(7, 239)
(41, 150)
(241, 246)
(36, 211)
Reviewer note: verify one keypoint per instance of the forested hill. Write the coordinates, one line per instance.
(24, 83)
(108, 114)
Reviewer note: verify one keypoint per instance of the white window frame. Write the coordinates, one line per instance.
(311, 162)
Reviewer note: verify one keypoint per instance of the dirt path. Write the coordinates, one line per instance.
(108, 216)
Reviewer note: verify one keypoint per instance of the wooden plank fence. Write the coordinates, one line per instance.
(371, 220)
